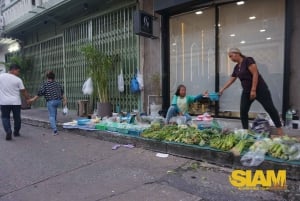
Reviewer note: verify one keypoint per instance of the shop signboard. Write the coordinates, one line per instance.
(143, 24)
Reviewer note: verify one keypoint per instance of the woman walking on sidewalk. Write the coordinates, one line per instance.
(254, 88)
(54, 95)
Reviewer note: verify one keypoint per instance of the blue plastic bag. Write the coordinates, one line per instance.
(134, 85)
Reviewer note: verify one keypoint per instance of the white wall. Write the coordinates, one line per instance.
(294, 57)
(3, 51)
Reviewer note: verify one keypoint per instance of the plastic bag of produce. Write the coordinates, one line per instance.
(262, 145)
(256, 154)
(261, 125)
(181, 120)
(294, 152)
(253, 158)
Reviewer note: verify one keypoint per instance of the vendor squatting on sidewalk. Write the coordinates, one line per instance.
(180, 103)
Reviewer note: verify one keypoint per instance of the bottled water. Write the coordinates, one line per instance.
(288, 119)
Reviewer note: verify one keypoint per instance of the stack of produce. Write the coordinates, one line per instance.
(241, 146)
(224, 142)
(262, 145)
(286, 148)
(237, 142)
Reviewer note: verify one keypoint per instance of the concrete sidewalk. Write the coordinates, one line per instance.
(40, 115)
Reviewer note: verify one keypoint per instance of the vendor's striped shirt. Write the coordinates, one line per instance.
(51, 90)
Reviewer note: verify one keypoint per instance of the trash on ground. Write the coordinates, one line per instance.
(161, 155)
(117, 146)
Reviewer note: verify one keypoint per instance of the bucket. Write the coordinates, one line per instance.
(104, 109)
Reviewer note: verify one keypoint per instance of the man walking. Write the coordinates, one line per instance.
(10, 101)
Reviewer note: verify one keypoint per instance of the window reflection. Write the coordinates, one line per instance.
(192, 51)
(258, 28)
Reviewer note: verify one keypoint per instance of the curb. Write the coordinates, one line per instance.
(220, 158)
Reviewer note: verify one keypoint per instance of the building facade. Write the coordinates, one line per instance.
(52, 34)
(190, 44)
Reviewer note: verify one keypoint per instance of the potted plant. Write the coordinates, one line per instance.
(99, 68)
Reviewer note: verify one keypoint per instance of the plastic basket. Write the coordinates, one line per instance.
(83, 122)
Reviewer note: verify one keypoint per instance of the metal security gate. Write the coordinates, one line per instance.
(75, 38)
(46, 55)
(112, 33)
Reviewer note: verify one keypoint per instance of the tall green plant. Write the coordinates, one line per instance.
(24, 62)
(99, 68)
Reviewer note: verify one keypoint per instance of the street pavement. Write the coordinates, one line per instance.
(41, 167)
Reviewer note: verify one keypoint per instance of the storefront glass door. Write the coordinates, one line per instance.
(192, 51)
(256, 27)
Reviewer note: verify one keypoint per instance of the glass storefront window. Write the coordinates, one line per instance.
(192, 51)
(257, 29)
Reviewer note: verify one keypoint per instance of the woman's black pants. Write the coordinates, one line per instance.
(264, 97)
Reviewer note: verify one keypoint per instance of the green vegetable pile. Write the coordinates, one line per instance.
(277, 151)
(284, 148)
(192, 135)
(241, 146)
(183, 134)
(237, 142)
(225, 142)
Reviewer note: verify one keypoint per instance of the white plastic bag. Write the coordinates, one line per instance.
(121, 82)
(140, 79)
(65, 110)
(253, 158)
(154, 109)
(87, 87)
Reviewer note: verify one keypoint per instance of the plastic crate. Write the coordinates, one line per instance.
(101, 127)
(111, 128)
(122, 130)
(134, 132)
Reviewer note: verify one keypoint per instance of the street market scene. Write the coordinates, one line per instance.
(149, 100)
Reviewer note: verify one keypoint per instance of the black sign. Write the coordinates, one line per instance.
(143, 24)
